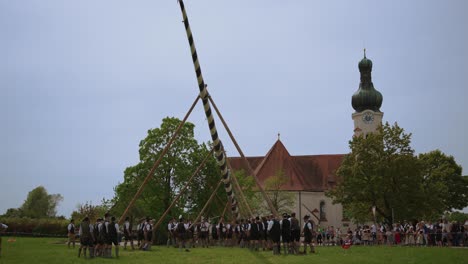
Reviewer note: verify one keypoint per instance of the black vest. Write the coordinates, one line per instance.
(111, 229)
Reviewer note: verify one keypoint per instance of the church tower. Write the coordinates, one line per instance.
(366, 101)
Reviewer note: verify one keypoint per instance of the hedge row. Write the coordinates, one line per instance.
(36, 227)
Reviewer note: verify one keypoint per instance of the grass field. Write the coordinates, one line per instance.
(50, 251)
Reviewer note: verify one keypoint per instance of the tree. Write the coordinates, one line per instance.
(380, 171)
(281, 200)
(445, 187)
(89, 210)
(39, 204)
(179, 163)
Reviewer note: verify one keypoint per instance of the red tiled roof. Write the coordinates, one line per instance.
(305, 173)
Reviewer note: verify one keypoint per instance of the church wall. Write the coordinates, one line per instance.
(312, 200)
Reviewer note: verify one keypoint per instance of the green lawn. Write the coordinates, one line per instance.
(50, 250)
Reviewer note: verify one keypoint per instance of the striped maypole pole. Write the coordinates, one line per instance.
(218, 146)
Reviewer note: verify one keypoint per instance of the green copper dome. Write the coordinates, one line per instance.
(366, 97)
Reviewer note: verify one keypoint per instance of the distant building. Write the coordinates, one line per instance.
(310, 176)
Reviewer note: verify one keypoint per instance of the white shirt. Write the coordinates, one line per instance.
(308, 225)
(127, 225)
(70, 226)
(169, 227)
(270, 225)
(204, 226)
(147, 227)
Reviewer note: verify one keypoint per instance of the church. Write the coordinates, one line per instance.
(310, 176)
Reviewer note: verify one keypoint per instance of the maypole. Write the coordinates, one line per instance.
(218, 146)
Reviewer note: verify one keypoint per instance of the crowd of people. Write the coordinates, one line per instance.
(422, 233)
(281, 235)
(260, 233)
(96, 238)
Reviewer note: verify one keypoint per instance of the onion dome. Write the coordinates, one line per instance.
(366, 97)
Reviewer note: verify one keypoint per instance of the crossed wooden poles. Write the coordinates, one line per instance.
(217, 148)
(236, 185)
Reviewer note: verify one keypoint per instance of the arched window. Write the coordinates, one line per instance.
(322, 211)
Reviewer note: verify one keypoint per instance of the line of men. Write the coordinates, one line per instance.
(255, 233)
(99, 237)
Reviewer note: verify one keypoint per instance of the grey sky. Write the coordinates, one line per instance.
(82, 81)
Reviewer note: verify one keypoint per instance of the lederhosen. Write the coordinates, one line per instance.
(286, 231)
(253, 231)
(112, 233)
(222, 232)
(265, 230)
(149, 232)
(229, 232)
(203, 230)
(260, 231)
(275, 232)
(85, 238)
(246, 233)
(181, 232)
(307, 233)
(141, 232)
(102, 233)
(295, 230)
(128, 232)
(96, 234)
(214, 232)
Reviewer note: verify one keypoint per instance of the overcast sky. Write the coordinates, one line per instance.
(82, 81)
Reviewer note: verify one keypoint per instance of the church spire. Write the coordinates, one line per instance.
(366, 97)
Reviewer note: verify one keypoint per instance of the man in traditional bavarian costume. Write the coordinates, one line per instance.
(141, 233)
(181, 234)
(274, 230)
(98, 241)
(104, 233)
(170, 233)
(221, 231)
(254, 234)
(86, 238)
(204, 232)
(307, 230)
(285, 232)
(71, 233)
(112, 229)
(127, 227)
(3, 227)
(295, 233)
(148, 231)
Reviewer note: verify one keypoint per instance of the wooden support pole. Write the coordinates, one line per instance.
(183, 190)
(213, 194)
(156, 164)
(239, 189)
(312, 212)
(224, 211)
(246, 162)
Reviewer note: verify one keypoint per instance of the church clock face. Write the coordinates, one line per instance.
(368, 118)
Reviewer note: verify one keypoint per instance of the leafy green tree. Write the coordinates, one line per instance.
(445, 187)
(89, 210)
(40, 204)
(282, 200)
(13, 212)
(380, 171)
(179, 163)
